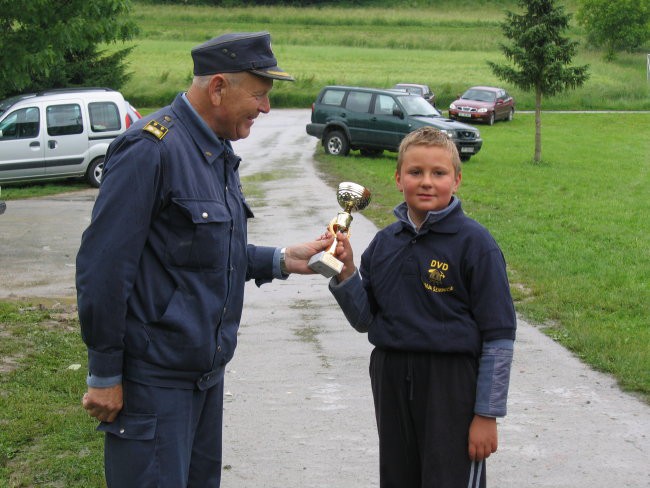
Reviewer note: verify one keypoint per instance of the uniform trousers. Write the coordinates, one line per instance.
(165, 438)
(424, 404)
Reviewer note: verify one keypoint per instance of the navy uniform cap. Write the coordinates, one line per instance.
(238, 51)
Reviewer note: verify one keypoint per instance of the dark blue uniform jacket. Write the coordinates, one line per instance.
(162, 266)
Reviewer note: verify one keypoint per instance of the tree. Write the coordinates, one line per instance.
(54, 43)
(616, 25)
(541, 55)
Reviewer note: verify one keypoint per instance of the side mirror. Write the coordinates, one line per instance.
(398, 113)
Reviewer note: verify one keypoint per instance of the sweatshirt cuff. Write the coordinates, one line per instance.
(494, 378)
(103, 382)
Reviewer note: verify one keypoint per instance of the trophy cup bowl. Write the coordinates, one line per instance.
(351, 197)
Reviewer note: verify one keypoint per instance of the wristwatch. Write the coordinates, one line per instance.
(283, 262)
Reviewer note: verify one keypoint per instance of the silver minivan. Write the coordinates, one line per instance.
(60, 133)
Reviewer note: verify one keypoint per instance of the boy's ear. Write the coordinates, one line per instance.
(458, 178)
(398, 182)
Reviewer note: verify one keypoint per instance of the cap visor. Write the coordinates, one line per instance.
(275, 73)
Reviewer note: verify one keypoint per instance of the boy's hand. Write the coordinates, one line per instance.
(344, 254)
(482, 438)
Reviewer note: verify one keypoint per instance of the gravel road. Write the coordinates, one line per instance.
(298, 404)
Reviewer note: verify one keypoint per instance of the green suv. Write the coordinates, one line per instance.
(373, 120)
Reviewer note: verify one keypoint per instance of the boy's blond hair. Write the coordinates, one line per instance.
(429, 136)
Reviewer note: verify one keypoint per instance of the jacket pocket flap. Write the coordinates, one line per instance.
(141, 427)
(203, 211)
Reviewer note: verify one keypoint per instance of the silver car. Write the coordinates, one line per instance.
(60, 133)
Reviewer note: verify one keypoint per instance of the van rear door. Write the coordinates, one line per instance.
(22, 144)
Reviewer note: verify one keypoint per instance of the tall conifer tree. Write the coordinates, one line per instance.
(541, 55)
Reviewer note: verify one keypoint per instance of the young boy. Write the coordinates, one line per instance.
(433, 295)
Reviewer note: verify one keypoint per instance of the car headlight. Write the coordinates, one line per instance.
(452, 106)
(482, 110)
(449, 133)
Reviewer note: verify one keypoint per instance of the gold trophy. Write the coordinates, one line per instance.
(351, 197)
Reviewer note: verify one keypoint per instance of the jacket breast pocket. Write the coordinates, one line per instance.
(198, 234)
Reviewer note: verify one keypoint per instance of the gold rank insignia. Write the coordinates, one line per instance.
(156, 128)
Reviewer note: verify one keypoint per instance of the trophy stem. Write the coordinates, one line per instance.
(332, 248)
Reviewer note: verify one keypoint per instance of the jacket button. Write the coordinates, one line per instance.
(121, 431)
(219, 348)
(204, 215)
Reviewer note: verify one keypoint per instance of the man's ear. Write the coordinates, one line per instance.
(216, 88)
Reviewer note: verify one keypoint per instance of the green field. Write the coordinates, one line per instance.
(445, 46)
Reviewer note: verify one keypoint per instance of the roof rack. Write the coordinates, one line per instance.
(53, 91)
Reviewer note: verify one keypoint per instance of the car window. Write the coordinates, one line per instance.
(417, 106)
(358, 101)
(104, 116)
(384, 105)
(64, 119)
(479, 95)
(333, 97)
(22, 124)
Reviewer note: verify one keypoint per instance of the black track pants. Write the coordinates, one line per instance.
(424, 404)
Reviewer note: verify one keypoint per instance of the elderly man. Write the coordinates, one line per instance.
(162, 266)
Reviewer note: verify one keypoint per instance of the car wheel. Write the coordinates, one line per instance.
(336, 144)
(94, 172)
(465, 158)
(370, 153)
(511, 115)
(491, 120)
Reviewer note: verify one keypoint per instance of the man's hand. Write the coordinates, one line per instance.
(482, 438)
(296, 257)
(103, 403)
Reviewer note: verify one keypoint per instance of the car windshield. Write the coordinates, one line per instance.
(7, 103)
(414, 105)
(479, 95)
(412, 89)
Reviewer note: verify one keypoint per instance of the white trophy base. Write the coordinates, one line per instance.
(325, 264)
